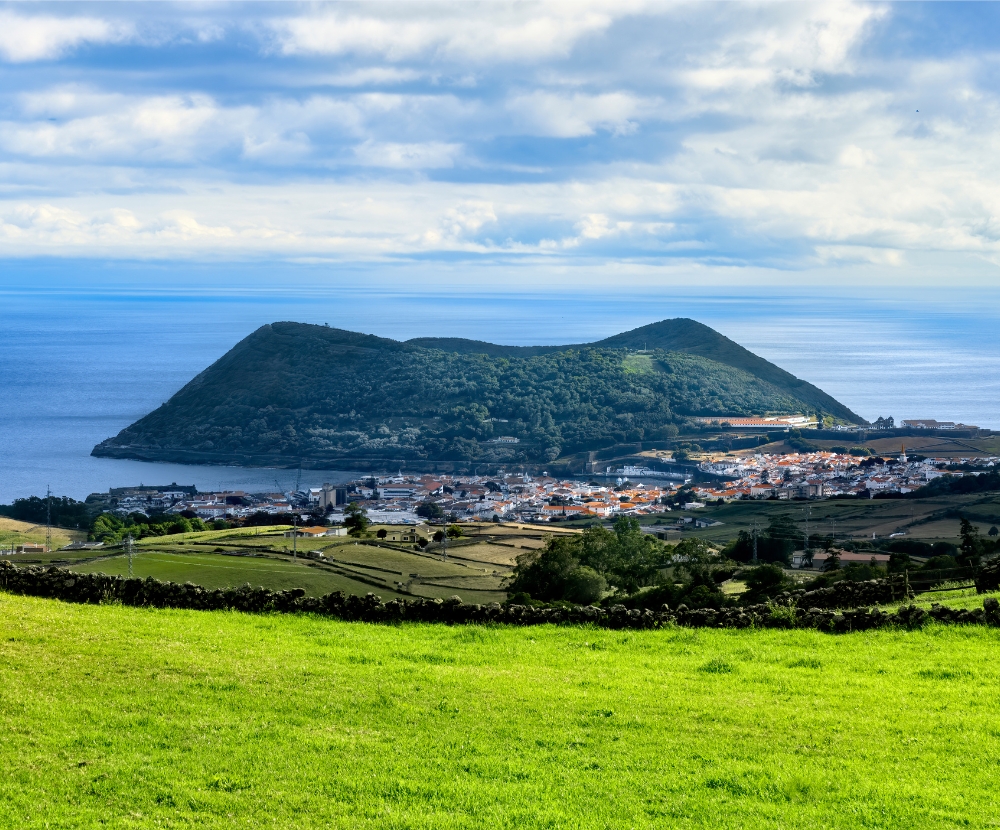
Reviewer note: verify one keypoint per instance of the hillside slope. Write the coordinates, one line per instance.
(677, 335)
(292, 391)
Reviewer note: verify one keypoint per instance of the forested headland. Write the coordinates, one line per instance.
(301, 392)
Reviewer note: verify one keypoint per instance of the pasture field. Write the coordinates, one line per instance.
(13, 532)
(220, 571)
(139, 718)
(929, 519)
(937, 446)
(210, 559)
(474, 569)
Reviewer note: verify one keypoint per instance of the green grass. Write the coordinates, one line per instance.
(125, 717)
(221, 571)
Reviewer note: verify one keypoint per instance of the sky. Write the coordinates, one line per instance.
(566, 144)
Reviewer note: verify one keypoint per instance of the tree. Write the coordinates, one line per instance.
(627, 557)
(584, 585)
(544, 574)
(692, 556)
(439, 536)
(182, 525)
(62, 511)
(381, 533)
(766, 582)
(993, 531)
(972, 544)
(356, 519)
(898, 561)
(454, 532)
(429, 510)
(832, 562)
(775, 544)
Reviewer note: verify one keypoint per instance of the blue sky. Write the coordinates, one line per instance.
(568, 143)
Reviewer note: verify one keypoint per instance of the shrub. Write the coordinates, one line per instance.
(765, 582)
(585, 585)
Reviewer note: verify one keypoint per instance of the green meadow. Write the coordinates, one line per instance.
(124, 717)
(212, 570)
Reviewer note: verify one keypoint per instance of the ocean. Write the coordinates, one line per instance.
(79, 364)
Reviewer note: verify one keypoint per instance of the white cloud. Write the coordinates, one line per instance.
(569, 116)
(372, 76)
(41, 37)
(480, 32)
(434, 154)
(788, 43)
(757, 134)
(99, 126)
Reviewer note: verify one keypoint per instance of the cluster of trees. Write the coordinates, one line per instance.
(111, 529)
(775, 543)
(344, 394)
(61, 510)
(624, 562)
(950, 485)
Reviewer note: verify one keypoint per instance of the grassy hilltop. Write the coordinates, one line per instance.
(136, 718)
(291, 391)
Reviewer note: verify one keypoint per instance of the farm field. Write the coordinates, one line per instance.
(13, 532)
(220, 571)
(931, 519)
(474, 569)
(937, 446)
(179, 718)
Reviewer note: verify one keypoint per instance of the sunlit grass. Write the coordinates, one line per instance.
(124, 717)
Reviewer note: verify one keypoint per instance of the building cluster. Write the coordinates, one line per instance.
(396, 499)
(630, 491)
(510, 497)
(823, 475)
(173, 498)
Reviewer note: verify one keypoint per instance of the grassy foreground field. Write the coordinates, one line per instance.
(123, 717)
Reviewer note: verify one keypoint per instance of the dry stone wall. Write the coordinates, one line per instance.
(59, 583)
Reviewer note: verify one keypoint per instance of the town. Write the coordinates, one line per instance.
(828, 474)
(631, 490)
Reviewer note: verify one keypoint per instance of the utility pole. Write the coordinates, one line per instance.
(805, 548)
(129, 549)
(48, 518)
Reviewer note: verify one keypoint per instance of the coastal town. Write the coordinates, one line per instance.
(631, 490)
(828, 474)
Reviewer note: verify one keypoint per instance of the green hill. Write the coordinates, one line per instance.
(292, 392)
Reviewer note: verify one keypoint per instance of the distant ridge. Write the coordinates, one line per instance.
(292, 393)
(680, 334)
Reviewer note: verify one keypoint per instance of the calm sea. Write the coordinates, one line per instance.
(77, 366)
